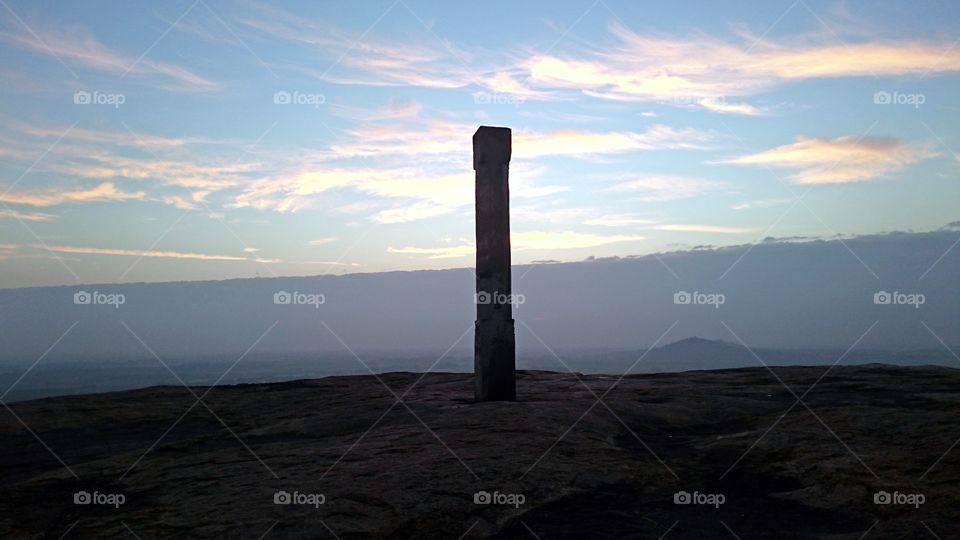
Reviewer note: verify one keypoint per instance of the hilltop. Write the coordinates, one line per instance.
(582, 468)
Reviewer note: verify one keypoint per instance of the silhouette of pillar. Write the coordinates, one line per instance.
(494, 352)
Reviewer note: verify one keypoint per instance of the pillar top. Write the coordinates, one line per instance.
(491, 146)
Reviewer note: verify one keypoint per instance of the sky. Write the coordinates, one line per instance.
(209, 139)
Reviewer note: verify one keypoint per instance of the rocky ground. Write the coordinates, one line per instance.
(558, 463)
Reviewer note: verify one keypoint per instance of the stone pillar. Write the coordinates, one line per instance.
(494, 356)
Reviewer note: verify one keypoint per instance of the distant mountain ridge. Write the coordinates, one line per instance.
(775, 295)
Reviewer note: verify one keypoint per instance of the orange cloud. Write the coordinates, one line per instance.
(840, 160)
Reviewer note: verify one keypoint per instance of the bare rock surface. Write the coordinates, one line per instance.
(583, 467)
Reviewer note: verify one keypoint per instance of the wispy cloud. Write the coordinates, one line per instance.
(106, 191)
(663, 187)
(840, 160)
(73, 44)
(25, 216)
(551, 240)
(618, 220)
(704, 70)
(760, 203)
(140, 253)
(719, 229)
(322, 241)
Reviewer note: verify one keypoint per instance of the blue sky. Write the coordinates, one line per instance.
(210, 139)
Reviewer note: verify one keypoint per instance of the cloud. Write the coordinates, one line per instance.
(719, 229)
(140, 253)
(322, 241)
(585, 143)
(25, 216)
(106, 191)
(840, 160)
(449, 252)
(760, 203)
(704, 70)
(617, 220)
(77, 45)
(663, 187)
(551, 240)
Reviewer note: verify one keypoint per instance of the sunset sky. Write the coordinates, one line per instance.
(210, 139)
